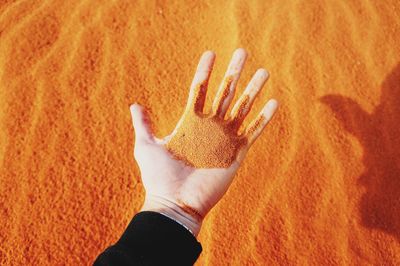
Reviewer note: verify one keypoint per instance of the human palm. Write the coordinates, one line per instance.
(186, 173)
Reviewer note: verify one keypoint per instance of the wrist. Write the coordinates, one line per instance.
(173, 211)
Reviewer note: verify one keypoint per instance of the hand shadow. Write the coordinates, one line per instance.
(379, 134)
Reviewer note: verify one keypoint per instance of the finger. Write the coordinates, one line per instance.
(226, 90)
(243, 105)
(255, 128)
(141, 123)
(198, 88)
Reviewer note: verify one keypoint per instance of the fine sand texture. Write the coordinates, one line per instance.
(321, 186)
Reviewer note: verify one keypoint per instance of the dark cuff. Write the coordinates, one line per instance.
(154, 239)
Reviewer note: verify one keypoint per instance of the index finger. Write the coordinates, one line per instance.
(198, 88)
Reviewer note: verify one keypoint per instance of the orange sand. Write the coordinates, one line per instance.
(206, 139)
(206, 142)
(320, 187)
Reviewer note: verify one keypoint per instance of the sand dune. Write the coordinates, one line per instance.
(320, 187)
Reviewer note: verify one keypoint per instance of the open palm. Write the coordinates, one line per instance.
(186, 173)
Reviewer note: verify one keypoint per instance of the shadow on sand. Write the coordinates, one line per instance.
(379, 134)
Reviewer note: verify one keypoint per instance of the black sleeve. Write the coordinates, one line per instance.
(152, 239)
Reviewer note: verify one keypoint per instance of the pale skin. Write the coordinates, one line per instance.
(182, 191)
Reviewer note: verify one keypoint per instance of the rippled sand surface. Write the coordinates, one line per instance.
(320, 187)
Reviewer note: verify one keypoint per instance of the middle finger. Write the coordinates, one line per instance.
(226, 90)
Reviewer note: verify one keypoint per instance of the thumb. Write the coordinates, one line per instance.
(141, 123)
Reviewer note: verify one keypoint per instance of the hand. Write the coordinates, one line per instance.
(186, 173)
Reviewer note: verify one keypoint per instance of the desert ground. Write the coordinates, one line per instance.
(321, 186)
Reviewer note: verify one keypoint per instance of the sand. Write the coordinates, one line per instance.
(209, 139)
(319, 187)
(197, 147)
